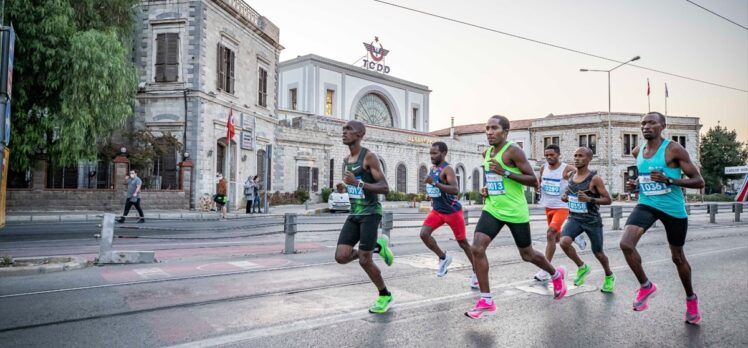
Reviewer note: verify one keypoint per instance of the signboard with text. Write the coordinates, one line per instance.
(736, 170)
(376, 52)
(247, 140)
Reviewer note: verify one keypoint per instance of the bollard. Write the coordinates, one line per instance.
(617, 214)
(713, 213)
(107, 234)
(612, 211)
(466, 216)
(289, 228)
(109, 256)
(738, 208)
(387, 223)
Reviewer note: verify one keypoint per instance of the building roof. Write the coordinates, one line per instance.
(479, 128)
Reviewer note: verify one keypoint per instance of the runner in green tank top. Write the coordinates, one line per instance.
(365, 180)
(507, 171)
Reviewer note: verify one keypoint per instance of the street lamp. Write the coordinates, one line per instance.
(610, 137)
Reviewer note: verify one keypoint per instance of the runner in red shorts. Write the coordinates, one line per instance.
(441, 187)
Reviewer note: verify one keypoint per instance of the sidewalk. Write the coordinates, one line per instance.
(87, 215)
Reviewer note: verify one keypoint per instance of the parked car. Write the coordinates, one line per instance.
(338, 202)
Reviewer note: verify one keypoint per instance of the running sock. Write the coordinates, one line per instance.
(646, 284)
(692, 297)
(443, 257)
(556, 275)
(487, 297)
(384, 292)
(377, 249)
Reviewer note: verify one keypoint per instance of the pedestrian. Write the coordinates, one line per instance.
(249, 193)
(221, 198)
(133, 196)
(256, 180)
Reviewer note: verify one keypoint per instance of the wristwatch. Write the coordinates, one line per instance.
(360, 184)
(506, 173)
(669, 181)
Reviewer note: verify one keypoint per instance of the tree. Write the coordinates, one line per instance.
(719, 149)
(74, 82)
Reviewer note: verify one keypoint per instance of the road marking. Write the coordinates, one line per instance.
(244, 264)
(153, 272)
(308, 324)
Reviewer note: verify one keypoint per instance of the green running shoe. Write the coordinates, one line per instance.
(382, 304)
(384, 250)
(581, 274)
(609, 284)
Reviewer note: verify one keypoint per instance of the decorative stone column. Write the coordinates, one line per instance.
(121, 168)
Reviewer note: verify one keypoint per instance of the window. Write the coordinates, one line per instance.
(550, 140)
(304, 178)
(372, 109)
(629, 143)
(329, 98)
(62, 177)
(262, 97)
(332, 173)
(293, 100)
(167, 57)
(476, 179)
(402, 178)
(415, 118)
(680, 139)
(590, 141)
(422, 172)
(226, 59)
(520, 144)
(315, 179)
(460, 175)
(164, 173)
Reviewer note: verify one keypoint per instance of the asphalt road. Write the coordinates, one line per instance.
(237, 292)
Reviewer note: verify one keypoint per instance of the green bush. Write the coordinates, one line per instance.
(475, 196)
(718, 197)
(302, 195)
(279, 198)
(395, 196)
(326, 194)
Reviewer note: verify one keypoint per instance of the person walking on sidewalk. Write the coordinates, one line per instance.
(441, 187)
(364, 181)
(584, 194)
(221, 194)
(249, 193)
(553, 175)
(661, 164)
(507, 171)
(133, 196)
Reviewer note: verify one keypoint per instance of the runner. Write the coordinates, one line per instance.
(507, 170)
(441, 186)
(585, 193)
(364, 180)
(553, 175)
(661, 163)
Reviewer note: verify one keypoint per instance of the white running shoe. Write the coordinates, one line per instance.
(443, 264)
(542, 276)
(580, 242)
(474, 282)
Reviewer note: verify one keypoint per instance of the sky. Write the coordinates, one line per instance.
(474, 73)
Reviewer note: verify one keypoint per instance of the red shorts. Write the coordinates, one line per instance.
(455, 220)
(556, 217)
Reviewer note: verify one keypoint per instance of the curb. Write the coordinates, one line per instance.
(77, 262)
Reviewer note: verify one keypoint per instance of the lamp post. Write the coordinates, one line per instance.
(610, 131)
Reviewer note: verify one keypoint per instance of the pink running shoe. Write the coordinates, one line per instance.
(481, 308)
(642, 297)
(559, 286)
(692, 312)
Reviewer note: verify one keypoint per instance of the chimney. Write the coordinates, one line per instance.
(452, 129)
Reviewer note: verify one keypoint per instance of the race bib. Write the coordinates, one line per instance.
(652, 188)
(495, 184)
(575, 206)
(551, 187)
(355, 192)
(433, 191)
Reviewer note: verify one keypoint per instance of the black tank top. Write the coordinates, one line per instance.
(363, 202)
(584, 212)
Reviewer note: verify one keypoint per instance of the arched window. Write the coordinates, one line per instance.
(422, 172)
(164, 175)
(460, 174)
(402, 178)
(372, 109)
(476, 180)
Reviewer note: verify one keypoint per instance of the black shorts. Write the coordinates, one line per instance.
(675, 229)
(490, 226)
(361, 229)
(574, 228)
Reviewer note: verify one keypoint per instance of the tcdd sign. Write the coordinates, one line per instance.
(377, 55)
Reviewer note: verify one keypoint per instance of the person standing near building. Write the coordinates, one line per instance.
(553, 175)
(661, 164)
(221, 194)
(507, 171)
(585, 193)
(441, 187)
(133, 196)
(364, 180)
(249, 193)
(256, 180)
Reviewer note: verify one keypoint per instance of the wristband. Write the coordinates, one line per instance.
(360, 184)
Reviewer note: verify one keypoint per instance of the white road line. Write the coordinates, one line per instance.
(307, 324)
(151, 272)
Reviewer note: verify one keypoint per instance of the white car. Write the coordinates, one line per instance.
(338, 202)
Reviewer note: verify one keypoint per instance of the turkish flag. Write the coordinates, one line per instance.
(230, 126)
